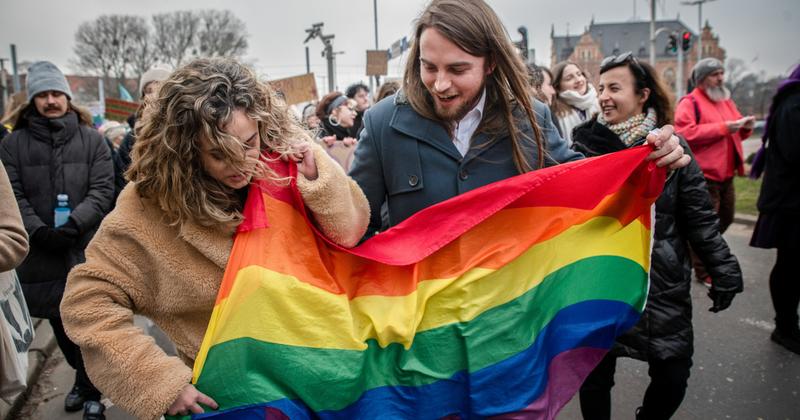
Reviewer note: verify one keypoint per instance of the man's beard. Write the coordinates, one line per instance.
(718, 93)
(455, 115)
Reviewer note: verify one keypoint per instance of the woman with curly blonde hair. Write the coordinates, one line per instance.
(163, 250)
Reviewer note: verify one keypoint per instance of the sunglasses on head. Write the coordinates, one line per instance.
(615, 60)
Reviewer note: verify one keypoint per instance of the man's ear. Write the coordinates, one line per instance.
(490, 65)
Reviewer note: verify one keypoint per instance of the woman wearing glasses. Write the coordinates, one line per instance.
(576, 98)
(633, 101)
(338, 115)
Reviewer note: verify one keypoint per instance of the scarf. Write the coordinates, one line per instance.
(634, 128)
(586, 102)
(584, 108)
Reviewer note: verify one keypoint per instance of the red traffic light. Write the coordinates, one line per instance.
(687, 40)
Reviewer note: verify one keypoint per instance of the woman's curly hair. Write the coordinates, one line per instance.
(195, 103)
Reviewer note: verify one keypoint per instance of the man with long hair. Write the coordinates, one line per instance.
(464, 118)
(55, 155)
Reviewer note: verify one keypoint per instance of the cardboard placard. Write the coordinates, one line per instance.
(377, 63)
(297, 89)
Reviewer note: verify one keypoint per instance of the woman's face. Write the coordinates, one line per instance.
(547, 88)
(312, 122)
(214, 162)
(345, 113)
(617, 95)
(572, 78)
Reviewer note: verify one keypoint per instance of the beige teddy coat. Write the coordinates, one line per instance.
(138, 264)
(13, 238)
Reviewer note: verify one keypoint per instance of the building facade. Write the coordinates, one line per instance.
(600, 40)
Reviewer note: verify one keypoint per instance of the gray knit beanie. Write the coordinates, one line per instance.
(44, 76)
(705, 67)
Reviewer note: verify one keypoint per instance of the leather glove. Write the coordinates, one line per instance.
(52, 239)
(722, 300)
(69, 229)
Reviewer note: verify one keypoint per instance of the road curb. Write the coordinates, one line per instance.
(44, 343)
(745, 219)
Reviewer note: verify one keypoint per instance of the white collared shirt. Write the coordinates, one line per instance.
(466, 127)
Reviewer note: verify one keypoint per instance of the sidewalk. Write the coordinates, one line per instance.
(44, 352)
(42, 347)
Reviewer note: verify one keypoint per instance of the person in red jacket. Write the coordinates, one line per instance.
(714, 129)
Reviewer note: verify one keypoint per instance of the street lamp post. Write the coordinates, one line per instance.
(699, 4)
(653, 33)
(315, 31)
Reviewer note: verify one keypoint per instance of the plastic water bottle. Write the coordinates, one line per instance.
(62, 210)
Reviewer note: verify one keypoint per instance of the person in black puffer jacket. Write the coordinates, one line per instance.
(53, 150)
(634, 102)
(778, 223)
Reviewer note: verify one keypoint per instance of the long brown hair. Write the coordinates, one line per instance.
(660, 98)
(474, 27)
(194, 103)
(559, 107)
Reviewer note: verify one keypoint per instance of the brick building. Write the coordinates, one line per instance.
(603, 39)
(85, 89)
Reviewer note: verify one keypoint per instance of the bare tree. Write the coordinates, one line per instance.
(175, 36)
(222, 34)
(735, 72)
(114, 46)
(106, 45)
(143, 53)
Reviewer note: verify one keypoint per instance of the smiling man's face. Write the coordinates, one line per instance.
(454, 78)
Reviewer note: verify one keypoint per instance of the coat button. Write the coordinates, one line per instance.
(413, 180)
(463, 175)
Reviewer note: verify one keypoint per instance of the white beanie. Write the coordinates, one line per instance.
(155, 74)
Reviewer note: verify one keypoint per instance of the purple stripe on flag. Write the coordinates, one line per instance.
(567, 371)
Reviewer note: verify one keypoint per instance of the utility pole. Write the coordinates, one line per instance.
(308, 62)
(679, 81)
(4, 95)
(14, 68)
(375, 14)
(316, 32)
(653, 33)
(699, 4)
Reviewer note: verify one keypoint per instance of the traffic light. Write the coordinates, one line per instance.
(686, 40)
(672, 44)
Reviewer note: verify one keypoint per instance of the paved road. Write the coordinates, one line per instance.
(738, 372)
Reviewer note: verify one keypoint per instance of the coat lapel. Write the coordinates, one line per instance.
(478, 145)
(408, 122)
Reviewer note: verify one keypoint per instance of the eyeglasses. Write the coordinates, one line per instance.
(615, 60)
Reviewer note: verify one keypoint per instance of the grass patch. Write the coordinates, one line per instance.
(746, 194)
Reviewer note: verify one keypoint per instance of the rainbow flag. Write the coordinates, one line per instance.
(497, 302)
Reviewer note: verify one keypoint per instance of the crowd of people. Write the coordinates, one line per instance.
(468, 112)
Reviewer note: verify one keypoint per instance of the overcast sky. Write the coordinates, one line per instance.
(763, 33)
